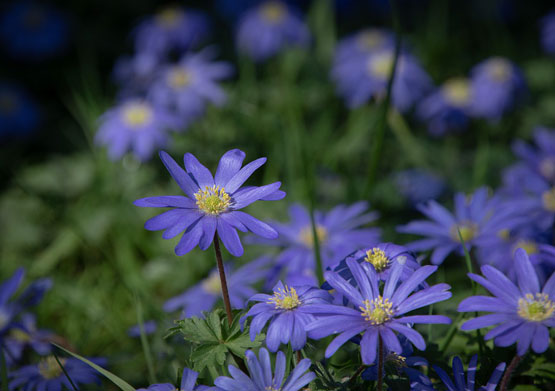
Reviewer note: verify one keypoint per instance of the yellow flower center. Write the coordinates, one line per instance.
(457, 91)
(212, 284)
(535, 308)
(178, 78)
(19, 335)
(378, 259)
(273, 11)
(504, 234)
(377, 311)
(370, 39)
(213, 200)
(529, 246)
(467, 229)
(271, 388)
(547, 167)
(285, 298)
(307, 238)
(49, 367)
(548, 199)
(137, 114)
(499, 69)
(396, 359)
(169, 17)
(381, 65)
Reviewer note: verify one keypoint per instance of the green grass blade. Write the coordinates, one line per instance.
(65, 372)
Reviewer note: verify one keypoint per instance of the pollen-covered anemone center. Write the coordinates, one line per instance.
(377, 311)
(49, 367)
(271, 388)
(548, 199)
(529, 246)
(137, 114)
(397, 360)
(378, 259)
(467, 229)
(370, 39)
(285, 298)
(273, 11)
(535, 308)
(179, 78)
(213, 200)
(19, 335)
(381, 65)
(457, 91)
(169, 17)
(499, 69)
(212, 284)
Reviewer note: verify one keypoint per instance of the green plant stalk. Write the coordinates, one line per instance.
(3, 370)
(65, 372)
(144, 342)
(379, 386)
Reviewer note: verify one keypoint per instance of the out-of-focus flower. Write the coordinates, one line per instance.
(172, 28)
(136, 126)
(498, 86)
(261, 379)
(540, 157)
(134, 74)
(204, 295)
(23, 334)
(33, 31)
(19, 114)
(448, 109)
(149, 327)
(547, 24)
(288, 311)
(339, 234)
(460, 383)
(477, 217)
(365, 77)
(187, 87)
(377, 311)
(188, 380)
(269, 28)
(363, 43)
(418, 185)
(212, 204)
(522, 314)
(48, 375)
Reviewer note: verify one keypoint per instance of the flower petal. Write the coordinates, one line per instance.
(179, 175)
(230, 238)
(201, 174)
(229, 165)
(238, 179)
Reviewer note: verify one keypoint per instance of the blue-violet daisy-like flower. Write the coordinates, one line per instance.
(269, 28)
(288, 311)
(188, 380)
(377, 311)
(260, 370)
(362, 43)
(522, 313)
(23, 334)
(19, 114)
(539, 157)
(212, 204)
(418, 186)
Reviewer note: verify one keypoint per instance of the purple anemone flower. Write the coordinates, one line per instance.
(212, 204)
(149, 327)
(362, 43)
(48, 375)
(187, 87)
(540, 158)
(522, 313)
(188, 381)
(269, 28)
(134, 74)
(498, 86)
(288, 311)
(339, 234)
(460, 383)
(204, 295)
(260, 371)
(365, 77)
(135, 126)
(547, 24)
(23, 334)
(19, 113)
(448, 108)
(478, 218)
(418, 186)
(172, 28)
(377, 311)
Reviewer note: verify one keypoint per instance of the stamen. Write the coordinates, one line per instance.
(169, 17)
(212, 284)
(307, 238)
(179, 78)
(370, 39)
(535, 308)
(285, 298)
(273, 11)
(468, 230)
(381, 65)
(137, 114)
(213, 200)
(378, 259)
(377, 311)
(529, 246)
(457, 91)
(548, 199)
(499, 69)
(49, 367)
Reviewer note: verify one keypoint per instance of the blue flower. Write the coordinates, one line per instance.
(187, 87)
(48, 375)
(23, 334)
(204, 295)
(134, 74)
(171, 29)
(19, 114)
(460, 383)
(522, 313)
(418, 185)
(478, 218)
(498, 86)
(260, 371)
(339, 234)
(188, 380)
(212, 204)
(269, 28)
(363, 43)
(288, 311)
(539, 158)
(377, 310)
(33, 31)
(135, 126)
(365, 77)
(149, 327)
(547, 24)
(448, 108)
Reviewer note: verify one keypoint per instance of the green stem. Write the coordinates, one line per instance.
(380, 364)
(317, 255)
(144, 342)
(451, 333)
(65, 372)
(3, 370)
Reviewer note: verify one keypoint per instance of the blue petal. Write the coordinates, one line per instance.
(229, 165)
(201, 174)
(238, 179)
(230, 238)
(179, 175)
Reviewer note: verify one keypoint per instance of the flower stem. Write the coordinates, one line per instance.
(299, 356)
(380, 364)
(507, 376)
(223, 280)
(356, 374)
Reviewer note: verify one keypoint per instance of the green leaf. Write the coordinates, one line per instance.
(208, 355)
(122, 384)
